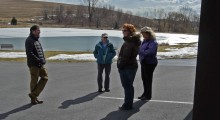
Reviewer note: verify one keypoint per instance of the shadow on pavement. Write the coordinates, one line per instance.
(22, 108)
(83, 99)
(189, 116)
(124, 115)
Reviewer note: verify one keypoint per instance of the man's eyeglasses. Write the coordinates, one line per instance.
(105, 37)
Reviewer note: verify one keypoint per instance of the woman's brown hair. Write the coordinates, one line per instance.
(129, 27)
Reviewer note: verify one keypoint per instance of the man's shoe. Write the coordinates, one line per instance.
(107, 90)
(33, 100)
(39, 101)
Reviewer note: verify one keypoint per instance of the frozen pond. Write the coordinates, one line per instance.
(67, 43)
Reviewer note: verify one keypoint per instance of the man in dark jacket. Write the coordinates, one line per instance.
(104, 53)
(36, 62)
(127, 63)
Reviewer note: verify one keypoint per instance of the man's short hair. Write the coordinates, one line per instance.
(104, 35)
(34, 27)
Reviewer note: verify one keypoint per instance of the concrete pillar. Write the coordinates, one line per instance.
(207, 87)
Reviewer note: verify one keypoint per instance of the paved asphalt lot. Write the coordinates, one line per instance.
(71, 94)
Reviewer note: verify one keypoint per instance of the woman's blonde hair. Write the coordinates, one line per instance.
(129, 27)
(149, 30)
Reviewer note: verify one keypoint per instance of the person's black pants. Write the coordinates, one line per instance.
(107, 68)
(147, 78)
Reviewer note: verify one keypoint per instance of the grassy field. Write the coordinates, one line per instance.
(24, 11)
(163, 47)
(24, 8)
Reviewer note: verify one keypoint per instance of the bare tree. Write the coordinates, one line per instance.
(159, 15)
(52, 13)
(195, 23)
(80, 15)
(91, 8)
(184, 20)
(111, 7)
(171, 21)
(60, 14)
(119, 16)
(69, 16)
(188, 12)
(45, 12)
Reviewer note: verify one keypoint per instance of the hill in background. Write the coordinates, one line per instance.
(104, 16)
(24, 8)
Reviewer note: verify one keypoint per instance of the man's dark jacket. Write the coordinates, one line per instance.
(34, 52)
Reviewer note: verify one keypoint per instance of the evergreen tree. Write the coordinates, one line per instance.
(116, 26)
(14, 21)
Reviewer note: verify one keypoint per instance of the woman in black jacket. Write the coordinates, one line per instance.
(127, 63)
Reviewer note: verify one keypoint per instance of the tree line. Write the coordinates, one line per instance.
(93, 14)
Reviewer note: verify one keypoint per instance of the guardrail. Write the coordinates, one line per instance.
(6, 46)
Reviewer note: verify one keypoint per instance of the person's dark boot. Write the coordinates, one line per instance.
(33, 99)
(107, 90)
(141, 97)
(100, 91)
(145, 99)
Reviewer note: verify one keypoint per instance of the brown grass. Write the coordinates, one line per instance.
(162, 47)
(24, 11)
(54, 53)
(13, 59)
(24, 8)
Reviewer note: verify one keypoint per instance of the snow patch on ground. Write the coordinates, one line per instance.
(72, 57)
(181, 53)
(83, 57)
(174, 39)
(12, 54)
